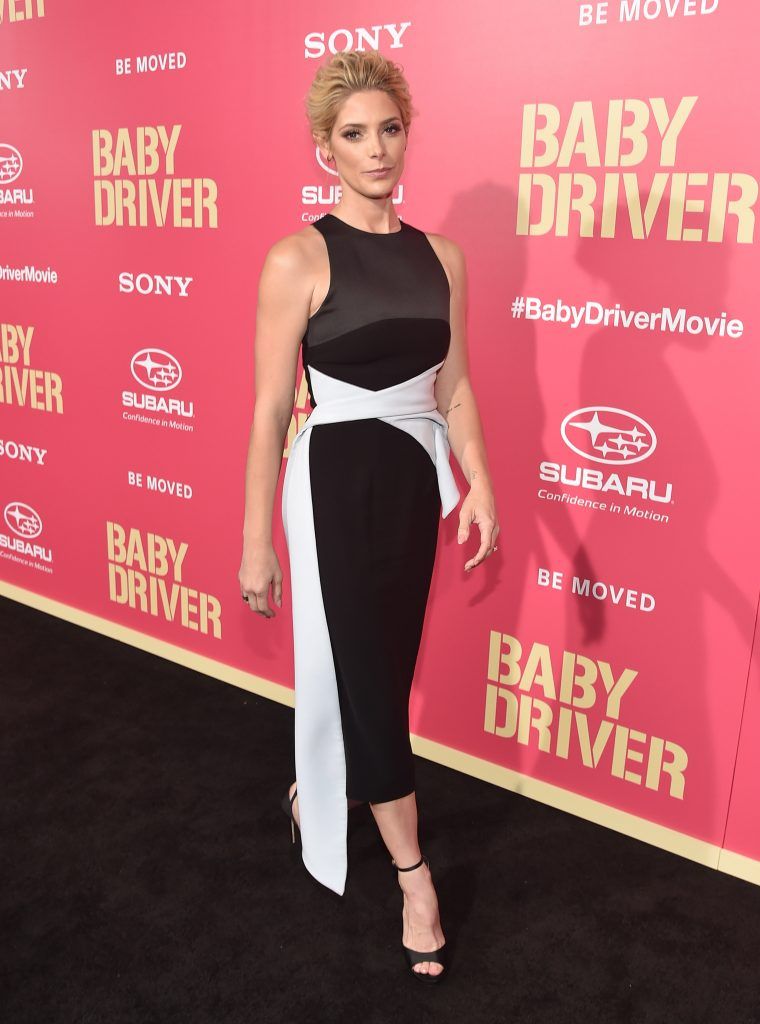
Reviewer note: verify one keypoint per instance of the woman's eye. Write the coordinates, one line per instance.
(354, 131)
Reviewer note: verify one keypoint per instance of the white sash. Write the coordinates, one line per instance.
(319, 752)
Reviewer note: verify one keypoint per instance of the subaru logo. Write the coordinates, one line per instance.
(22, 520)
(602, 433)
(10, 163)
(155, 369)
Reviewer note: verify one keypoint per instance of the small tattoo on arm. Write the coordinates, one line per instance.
(453, 407)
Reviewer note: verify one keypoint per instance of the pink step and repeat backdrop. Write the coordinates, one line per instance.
(597, 163)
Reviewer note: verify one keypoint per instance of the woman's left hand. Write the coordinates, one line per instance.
(479, 507)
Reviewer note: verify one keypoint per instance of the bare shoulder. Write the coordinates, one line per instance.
(451, 256)
(291, 265)
(292, 252)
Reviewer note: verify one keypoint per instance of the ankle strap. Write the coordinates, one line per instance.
(422, 858)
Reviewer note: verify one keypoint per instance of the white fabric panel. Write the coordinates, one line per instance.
(319, 751)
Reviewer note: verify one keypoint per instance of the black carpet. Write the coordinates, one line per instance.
(147, 875)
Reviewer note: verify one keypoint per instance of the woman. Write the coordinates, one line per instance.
(378, 309)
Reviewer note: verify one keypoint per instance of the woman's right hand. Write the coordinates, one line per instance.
(260, 569)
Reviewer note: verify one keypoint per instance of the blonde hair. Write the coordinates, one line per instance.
(350, 71)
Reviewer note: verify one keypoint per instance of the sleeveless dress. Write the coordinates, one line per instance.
(367, 478)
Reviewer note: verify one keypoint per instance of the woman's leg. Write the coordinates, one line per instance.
(397, 822)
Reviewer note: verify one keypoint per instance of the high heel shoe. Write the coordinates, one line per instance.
(287, 805)
(415, 956)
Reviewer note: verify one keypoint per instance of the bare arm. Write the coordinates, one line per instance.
(453, 392)
(456, 401)
(284, 295)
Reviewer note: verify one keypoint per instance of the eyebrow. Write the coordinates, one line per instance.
(355, 124)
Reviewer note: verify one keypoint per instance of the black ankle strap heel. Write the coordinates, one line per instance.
(287, 806)
(415, 956)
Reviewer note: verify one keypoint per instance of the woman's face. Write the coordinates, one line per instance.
(369, 134)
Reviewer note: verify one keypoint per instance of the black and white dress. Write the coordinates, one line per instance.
(367, 478)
